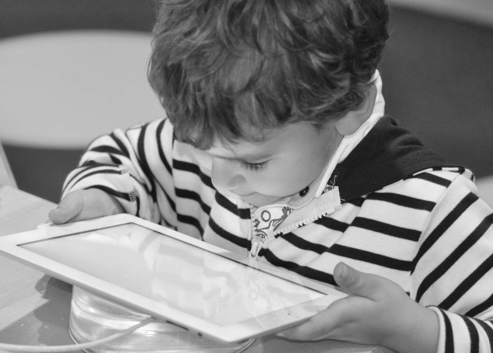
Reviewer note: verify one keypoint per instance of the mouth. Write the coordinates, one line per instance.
(244, 195)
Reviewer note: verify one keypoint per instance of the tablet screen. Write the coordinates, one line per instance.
(169, 270)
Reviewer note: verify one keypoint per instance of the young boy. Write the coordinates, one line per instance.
(276, 146)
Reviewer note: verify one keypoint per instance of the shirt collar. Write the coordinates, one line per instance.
(388, 154)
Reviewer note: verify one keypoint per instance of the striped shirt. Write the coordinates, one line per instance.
(405, 214)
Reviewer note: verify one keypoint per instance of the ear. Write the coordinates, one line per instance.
(351, 122)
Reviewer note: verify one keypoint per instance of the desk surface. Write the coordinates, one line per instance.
(35, 308)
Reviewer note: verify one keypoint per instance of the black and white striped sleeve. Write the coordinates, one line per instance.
(124, 164)
(453, 268)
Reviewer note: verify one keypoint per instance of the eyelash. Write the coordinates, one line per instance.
(254, 167)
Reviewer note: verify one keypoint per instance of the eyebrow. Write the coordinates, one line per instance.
(246, 158)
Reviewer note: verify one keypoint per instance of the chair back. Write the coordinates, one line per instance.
(485, 188)
(6, 176)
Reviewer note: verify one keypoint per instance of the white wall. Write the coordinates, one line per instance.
(480, 11)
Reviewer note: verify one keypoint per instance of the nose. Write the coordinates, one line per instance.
(225, 174)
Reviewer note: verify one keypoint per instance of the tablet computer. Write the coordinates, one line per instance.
(171, 276)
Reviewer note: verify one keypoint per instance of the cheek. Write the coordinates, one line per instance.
(284, 180)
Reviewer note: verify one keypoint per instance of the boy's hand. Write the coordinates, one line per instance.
(377, 311)
(84, 204)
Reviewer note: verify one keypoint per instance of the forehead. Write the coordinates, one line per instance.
(270, 142)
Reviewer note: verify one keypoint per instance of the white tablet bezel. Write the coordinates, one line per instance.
(278, 320)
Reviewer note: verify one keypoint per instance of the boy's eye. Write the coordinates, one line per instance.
(255, 167)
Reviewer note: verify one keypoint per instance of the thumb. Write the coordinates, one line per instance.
(353, 281)
(68, 208)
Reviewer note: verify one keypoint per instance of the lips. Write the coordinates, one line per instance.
(244, 195)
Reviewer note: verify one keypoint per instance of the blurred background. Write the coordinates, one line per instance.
(71, 70)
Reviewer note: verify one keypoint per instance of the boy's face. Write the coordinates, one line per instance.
(285, 163)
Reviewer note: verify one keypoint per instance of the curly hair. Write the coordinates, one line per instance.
(228, 69)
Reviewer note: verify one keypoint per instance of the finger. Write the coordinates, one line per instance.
(320, 326)
(305, 332)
